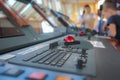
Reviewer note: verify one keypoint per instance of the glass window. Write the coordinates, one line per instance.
(39, 1)
(18, 6)
(58, 5)
(66, 19)
(7, 29)
(11, 2)
(54, 19)
(51, 17)
(33, 18)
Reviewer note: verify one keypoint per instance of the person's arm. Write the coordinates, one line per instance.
(104, 27)
(80, 21)
(112, 28)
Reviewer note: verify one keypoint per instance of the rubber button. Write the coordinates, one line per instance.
(37, 76)
(13, 72)
(63, 78)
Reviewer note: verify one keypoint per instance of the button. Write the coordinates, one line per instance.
(37, 76)
(58, 59)
(13, 72)
(63, 78)
(7, 56)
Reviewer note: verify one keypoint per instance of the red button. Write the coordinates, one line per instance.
(37, 76)
(69, 39)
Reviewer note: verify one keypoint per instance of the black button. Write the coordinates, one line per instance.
(13, 72)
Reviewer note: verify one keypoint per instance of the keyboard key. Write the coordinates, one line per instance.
(63, 78)
(13, 72)
(62, 61)
(37, 76)
(58, 59)
(52, 58)
(66, 56)
(7, 56)
(39, 57)
(29, 57)
(47, 57)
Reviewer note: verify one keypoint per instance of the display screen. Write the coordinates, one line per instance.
(32, 17)
(7, 29)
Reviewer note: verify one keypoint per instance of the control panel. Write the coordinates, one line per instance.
(74, 57)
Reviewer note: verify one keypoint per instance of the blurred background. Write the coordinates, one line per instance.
(71, 8)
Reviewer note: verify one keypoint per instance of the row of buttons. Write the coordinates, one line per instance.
(33, 76)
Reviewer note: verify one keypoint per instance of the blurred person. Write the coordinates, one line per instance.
(113, 23)
(88, 19)
(101, 22)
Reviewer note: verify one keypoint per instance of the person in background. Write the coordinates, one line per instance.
(101, 22)
(113, 23)
(80, 19)
(88, 19)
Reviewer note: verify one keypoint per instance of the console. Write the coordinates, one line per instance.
(40, 51)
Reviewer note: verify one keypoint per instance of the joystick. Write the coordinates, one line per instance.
(84, 54)
(69, 39)
(82, 60)
(79, 64)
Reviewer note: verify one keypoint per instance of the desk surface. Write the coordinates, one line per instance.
(108, 62)
(115, 43)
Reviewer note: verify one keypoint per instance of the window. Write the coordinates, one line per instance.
(39, 1)
(11, 2)
(33, 18)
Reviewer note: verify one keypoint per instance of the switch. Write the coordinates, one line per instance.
(37, 76)
(63, 78)
(13, 72)
(80, 64)
(89, 36)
